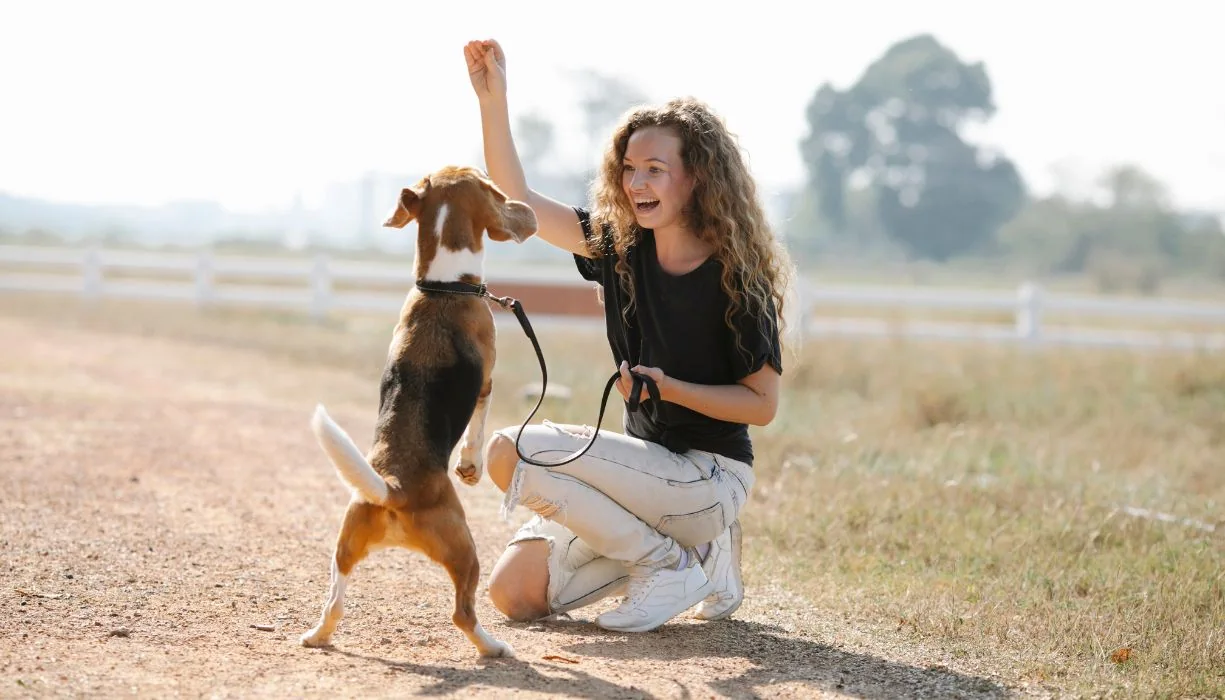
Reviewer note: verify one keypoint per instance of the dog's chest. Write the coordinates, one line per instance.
(430, 403)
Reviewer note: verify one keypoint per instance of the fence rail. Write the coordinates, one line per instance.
(321, 285)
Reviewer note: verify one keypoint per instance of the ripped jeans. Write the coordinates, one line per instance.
(625, 503)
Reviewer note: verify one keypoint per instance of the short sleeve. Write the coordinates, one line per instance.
(591, 269)
(759, 341)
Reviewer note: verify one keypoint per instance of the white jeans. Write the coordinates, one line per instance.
(626, 502)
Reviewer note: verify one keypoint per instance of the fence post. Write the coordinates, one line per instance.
(204, 278)
(1029, 312)
(321, 284)
(91, 273)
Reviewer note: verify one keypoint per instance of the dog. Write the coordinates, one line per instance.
(436, 385)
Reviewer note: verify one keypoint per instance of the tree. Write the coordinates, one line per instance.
(827, 153)
(1126, 237)
(1205, 245)
(899, 131)
(1129, 188)
(958, 207)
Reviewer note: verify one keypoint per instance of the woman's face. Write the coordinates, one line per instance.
(654, 178)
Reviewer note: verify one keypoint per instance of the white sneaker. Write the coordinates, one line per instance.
(656, 596)
(722, 566)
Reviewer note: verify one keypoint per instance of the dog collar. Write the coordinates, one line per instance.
(479, 290)
(476, 290)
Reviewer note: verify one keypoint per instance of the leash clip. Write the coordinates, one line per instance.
(505, 302)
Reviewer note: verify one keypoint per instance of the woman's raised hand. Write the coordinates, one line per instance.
(486, 69)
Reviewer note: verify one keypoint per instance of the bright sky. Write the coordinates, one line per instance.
(248, 102)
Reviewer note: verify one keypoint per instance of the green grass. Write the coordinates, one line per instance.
(966, 498)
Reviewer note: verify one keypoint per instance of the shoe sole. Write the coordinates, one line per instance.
(736, 537)
(694, 598)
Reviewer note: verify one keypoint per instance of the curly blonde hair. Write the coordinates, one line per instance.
(724, 210)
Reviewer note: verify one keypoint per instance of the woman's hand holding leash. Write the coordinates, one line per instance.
(641, 382)
(626, 382)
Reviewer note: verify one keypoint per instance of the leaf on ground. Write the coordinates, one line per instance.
(1121, 655)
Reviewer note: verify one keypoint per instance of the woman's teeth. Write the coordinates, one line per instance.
(646, 206)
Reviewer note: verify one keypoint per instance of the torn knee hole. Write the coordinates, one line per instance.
(585, 432)
(541, 506)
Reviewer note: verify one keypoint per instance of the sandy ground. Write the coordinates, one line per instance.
(167, 524)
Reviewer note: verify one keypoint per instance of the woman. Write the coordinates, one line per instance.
(692, 283)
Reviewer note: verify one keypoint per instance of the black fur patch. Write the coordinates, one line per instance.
(442, 396)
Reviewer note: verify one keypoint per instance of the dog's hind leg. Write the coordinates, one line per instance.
(443, 535)
(357, 533)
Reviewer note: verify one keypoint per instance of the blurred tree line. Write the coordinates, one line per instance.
(892, 175)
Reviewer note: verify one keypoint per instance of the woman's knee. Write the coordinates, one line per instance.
(500, 459)
(519, 582)
(502, 455)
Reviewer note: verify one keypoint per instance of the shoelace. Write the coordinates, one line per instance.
(639, 585)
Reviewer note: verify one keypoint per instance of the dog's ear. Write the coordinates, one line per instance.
(516, 222)
(407, 209)
(512, 220)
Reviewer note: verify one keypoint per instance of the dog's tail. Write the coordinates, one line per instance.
(349, 461)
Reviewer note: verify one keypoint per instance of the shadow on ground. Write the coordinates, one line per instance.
(774, 657)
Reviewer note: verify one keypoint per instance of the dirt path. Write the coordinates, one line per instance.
(160, 500)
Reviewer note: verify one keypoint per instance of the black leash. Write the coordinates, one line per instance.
(640, 380)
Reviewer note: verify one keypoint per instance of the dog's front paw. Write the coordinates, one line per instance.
(469, 471)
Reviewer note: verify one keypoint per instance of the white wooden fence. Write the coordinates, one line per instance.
(310, 285)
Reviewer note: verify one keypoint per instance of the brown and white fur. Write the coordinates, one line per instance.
(436, 384)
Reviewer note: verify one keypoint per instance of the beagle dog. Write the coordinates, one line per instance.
(434, 393)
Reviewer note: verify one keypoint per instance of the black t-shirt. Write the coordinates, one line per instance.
(677, 324)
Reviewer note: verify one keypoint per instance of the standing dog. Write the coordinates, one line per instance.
(435, 389)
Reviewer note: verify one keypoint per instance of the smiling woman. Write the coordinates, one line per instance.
(648, 175)
(656, 182)
(693, 284)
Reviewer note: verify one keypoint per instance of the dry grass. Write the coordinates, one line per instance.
(976, 496)
(966, 497)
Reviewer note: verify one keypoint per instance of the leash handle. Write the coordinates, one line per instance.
(639, 381)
